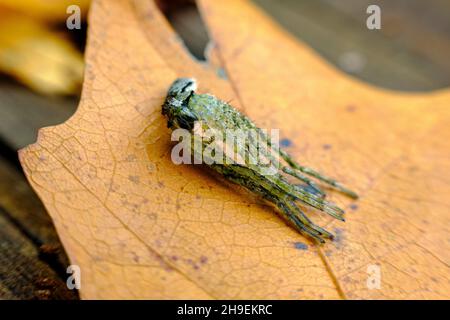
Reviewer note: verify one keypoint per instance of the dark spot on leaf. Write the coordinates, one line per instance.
(338, 237)
(222, 73)
(131, 157)
(351, 108)
(326, 146)
(203, 259)
(285, 142)
(300, 246)
(134, 179)
(158, 243)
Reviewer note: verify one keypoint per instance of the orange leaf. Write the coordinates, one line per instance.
(141, 227)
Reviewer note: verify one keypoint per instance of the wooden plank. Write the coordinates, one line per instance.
(32, 261)
(22, 274)
(18, 199)
(334, 34)
(23, 112)
(420, 26)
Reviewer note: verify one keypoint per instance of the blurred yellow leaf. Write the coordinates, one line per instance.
(46, 10)
(38, 58)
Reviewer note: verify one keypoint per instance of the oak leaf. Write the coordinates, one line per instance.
(141, 227)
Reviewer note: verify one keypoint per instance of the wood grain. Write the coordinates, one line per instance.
(32, 263)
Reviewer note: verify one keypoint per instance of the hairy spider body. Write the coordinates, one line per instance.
(199, 113)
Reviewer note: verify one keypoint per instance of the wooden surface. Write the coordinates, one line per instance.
(32, 262)
(409, 53)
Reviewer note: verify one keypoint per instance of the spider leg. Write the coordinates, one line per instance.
(283, 195)
(306, 221)
(305, 179)
(309, 189)
(293, 214)
(317, 175)
(303, 229)
(294, 165)
(308, 198)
